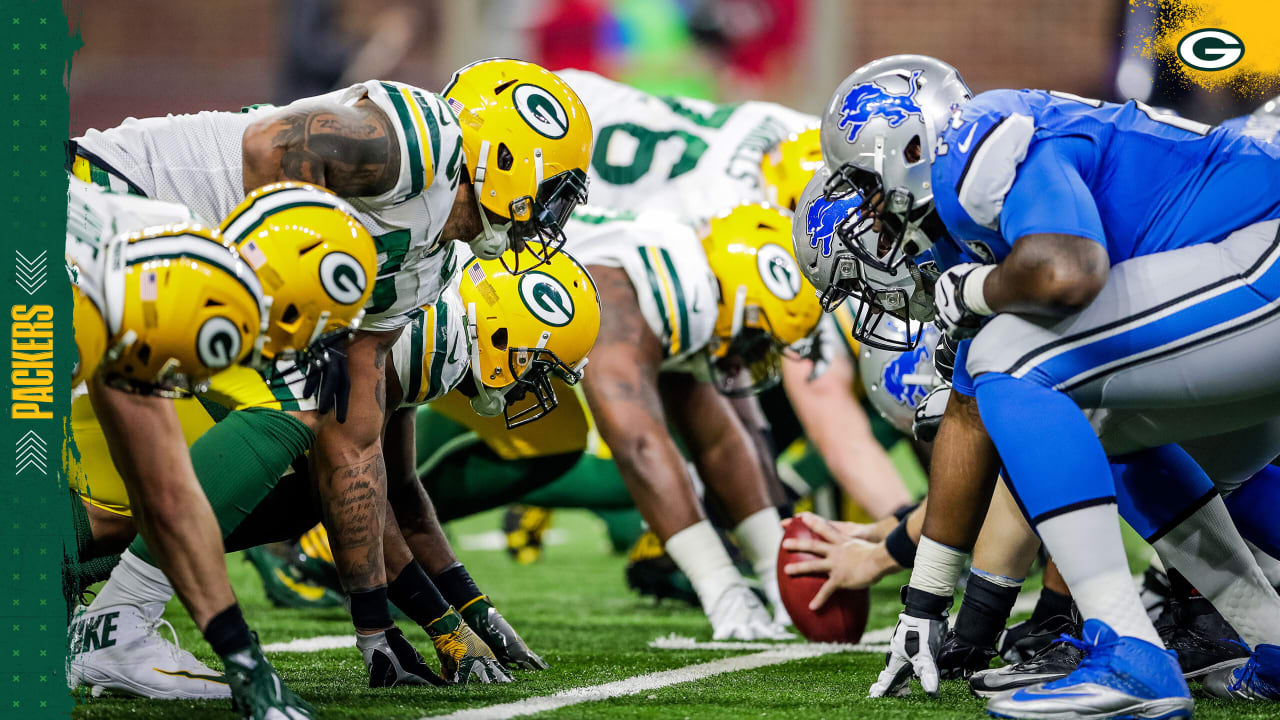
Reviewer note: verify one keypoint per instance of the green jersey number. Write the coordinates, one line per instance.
(646, 142)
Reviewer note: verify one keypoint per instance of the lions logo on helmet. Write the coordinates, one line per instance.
(822, 217)
(778, 271)
(871, 100)
(897, 382)
(546, 298)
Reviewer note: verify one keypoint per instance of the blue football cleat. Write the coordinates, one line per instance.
(1119, 677)
(1258, 679)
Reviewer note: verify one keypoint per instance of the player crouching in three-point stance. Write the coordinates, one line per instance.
(1128, 260)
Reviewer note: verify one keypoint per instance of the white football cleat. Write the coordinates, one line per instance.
(119, 648)
(769, 581)
(738, 615)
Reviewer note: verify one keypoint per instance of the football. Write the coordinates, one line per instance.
(842, 619)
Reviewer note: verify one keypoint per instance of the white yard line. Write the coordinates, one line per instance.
(776, 656)
(313, 644)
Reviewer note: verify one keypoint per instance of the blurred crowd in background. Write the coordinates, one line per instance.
(151, 57)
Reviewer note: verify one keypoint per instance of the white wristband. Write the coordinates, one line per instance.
(972, 291)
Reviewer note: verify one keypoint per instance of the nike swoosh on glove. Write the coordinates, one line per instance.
(392, 661)
(912, 653)
(952, 316)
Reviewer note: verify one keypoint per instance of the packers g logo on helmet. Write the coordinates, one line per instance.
(778, 271)
(218, 343)
(343, 278)
(541, 110)
(546, 298)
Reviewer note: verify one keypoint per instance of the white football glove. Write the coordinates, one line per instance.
(959, 311)
(912, 653)
(738, 615)
(392, 661)
(929, 411)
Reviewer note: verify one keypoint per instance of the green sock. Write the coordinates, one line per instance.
(240, 460)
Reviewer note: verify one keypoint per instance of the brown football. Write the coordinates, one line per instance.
(844, 616)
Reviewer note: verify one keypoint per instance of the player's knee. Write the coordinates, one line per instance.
(112, 532)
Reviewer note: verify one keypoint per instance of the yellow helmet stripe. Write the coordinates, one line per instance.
(412, 138)
(682, 310)
(416, 353)
(439, 349)
(238, 226)
(656, 288)
(845, 321)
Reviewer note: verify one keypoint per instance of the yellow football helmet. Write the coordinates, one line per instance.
(180, 307)
(91, 335)
(766, 304)
(316, 262)
(525, 327)
(527, 141)
(787, 167)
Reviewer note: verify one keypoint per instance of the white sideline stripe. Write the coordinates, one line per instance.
(776, 656)
(313, 644)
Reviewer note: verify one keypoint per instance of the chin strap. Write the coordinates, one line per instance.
(487, 402)
(490, 242)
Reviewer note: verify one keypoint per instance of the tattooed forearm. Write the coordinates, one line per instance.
(353, 515)
(353, 151)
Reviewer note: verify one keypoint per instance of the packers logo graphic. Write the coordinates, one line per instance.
(541, 110)
(778, 271)
(546, 298)
(1210, 49)
(218, 343)
(342, 278)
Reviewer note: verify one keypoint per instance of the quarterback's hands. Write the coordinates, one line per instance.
(392, 661)
(929, 412)
(955, 315)
(850, 563)
(912, 653)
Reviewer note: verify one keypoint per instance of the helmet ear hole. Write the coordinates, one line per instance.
(912, 152)
(144, 354)
(290, 314)
(505, 158)
(499, 339)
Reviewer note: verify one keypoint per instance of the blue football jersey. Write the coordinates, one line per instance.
(1014, 163)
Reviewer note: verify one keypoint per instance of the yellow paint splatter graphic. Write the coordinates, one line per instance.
(1255, 22)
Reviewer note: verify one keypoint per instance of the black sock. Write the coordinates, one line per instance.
(416, 597)
(227, 632)
(1051, 604)
(369, 609)
(984, 610)
(456, 585)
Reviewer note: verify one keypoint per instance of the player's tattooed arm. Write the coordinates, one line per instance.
(622, 391)
(350, 473)
(413, 515)
(351, 150)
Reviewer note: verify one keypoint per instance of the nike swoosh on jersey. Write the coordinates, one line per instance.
(964, 146)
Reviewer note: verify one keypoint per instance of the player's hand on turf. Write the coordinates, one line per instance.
(850, 563)
(912, 653)
(464, 657)
(929, 412)
(952, 316)
(257, 692)
(739, 615)
(959, 658)
(392, 661)
(507, 645)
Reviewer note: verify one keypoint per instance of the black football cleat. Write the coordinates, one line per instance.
(1021, 641)
(1056, 660)
(958, 658)
(1204, 640)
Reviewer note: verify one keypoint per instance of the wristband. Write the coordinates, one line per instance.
(972, 292)
(902, 512)
(900, 545)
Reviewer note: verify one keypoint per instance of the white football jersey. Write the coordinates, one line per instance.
(433, 354)
(661, 254)
(686, 156)
(197, 160)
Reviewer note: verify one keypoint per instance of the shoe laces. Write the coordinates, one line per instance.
(1096, 655)
(1243, 676)
(153, 628)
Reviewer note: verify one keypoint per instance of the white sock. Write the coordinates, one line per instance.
(937, 568)
(1209, 552)
(760, 537)
(1270, 566)
(698, 552)
(1087, 548)
(134, 582)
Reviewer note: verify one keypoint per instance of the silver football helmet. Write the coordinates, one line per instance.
(879, 137)
(897, 382)
(837, 273)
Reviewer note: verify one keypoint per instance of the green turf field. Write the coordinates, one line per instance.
(574, 608)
